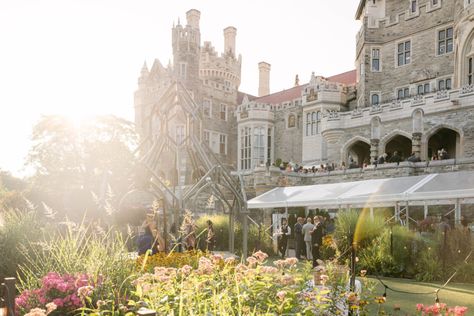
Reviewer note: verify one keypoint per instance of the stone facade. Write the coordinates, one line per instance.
(412, 92)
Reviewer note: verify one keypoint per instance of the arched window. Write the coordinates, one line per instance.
(375, 99)
(291, 121)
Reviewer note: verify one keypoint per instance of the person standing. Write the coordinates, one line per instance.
(307, 228)
(211, 236)
(283, 236)
(299, 238)
(317, 240)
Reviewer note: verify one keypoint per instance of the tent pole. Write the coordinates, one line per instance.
(426, 210)
(407, 215)
(245, 229)
(372, 213)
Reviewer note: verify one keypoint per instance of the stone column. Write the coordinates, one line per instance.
(416, 144)
(374, 150)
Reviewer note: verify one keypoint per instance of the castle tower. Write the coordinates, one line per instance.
(186, 43)
(230, 33)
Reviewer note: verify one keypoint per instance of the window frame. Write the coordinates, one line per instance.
(372, 58)
(407, 59)
(445, 40)
(375, 93)
(204, 108)
(223, 112)
(403, 90)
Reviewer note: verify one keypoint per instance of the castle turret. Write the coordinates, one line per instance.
(264, 78)
(192, 17)
(229, 40)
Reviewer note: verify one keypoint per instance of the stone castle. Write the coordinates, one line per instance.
(412, 92)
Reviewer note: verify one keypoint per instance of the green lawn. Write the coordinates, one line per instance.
(460, 294)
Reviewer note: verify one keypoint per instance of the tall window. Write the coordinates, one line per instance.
(179, 134)
(318, 122)
(259, 146)
(223, 112)
(245, 148)
(445, 41)
(375, 59)
(413, 6)
(423, 88)
(404, 53)
(182, 70)
(469, 69)
(206, 107)
(308, 124)
(403, 93)
(269, 146)
(223, 144)
(375, 99)
(206, 137)
(434, 2)
(444, 84)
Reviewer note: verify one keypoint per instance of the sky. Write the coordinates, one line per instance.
(81, 58)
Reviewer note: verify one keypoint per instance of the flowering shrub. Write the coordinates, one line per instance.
(175, 259)
(440, 309)
(58, 293)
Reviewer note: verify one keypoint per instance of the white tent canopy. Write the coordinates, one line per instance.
(380, 192)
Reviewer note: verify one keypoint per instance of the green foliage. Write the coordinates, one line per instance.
(15, 227)
(356, 226)
(74, 163)
(429, 266)
(80, 249)
(278, 162)
(256, 240)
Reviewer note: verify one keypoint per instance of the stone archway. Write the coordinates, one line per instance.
(357, 154)
(401, 144)
(444, 138)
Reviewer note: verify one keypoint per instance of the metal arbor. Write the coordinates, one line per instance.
(181, 167)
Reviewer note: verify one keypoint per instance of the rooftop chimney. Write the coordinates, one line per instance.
(264, 78)
(230, 33)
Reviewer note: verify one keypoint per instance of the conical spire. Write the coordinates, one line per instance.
(144, 72)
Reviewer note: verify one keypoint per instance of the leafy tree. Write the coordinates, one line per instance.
(77, 167)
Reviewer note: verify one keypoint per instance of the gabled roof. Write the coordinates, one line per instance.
(348, 78)
(241, 95)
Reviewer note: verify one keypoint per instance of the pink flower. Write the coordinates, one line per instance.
(460, 310)
(58, 302)
(287, 280)
(269, 270)
(291, 261)
(281, 295)
(419, 307)
(230, 260)
(216, 258)
(260, 255)
(251, 261)
(279, 264)
(186, 269)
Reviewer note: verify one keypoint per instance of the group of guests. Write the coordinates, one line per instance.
(151, 238)
(308, 237)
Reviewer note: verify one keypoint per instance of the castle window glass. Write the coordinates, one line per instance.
(308, 123)
(259, 146)
(269, 146)
(318, 122)
(413, 6)
(376, 59)
(445, 41)
(470, 71)
(403, 93)
(314, 123)
(206, 138)
(223, 144)
(434, 2)
(375, 99)
(206, 108)
(182, 70)
(444, 84)
(223, 112)
(291, 121)
(245, 148)
(404, 53)
(423, 88)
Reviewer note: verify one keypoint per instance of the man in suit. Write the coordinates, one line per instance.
(317, 240)
(299, 238)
